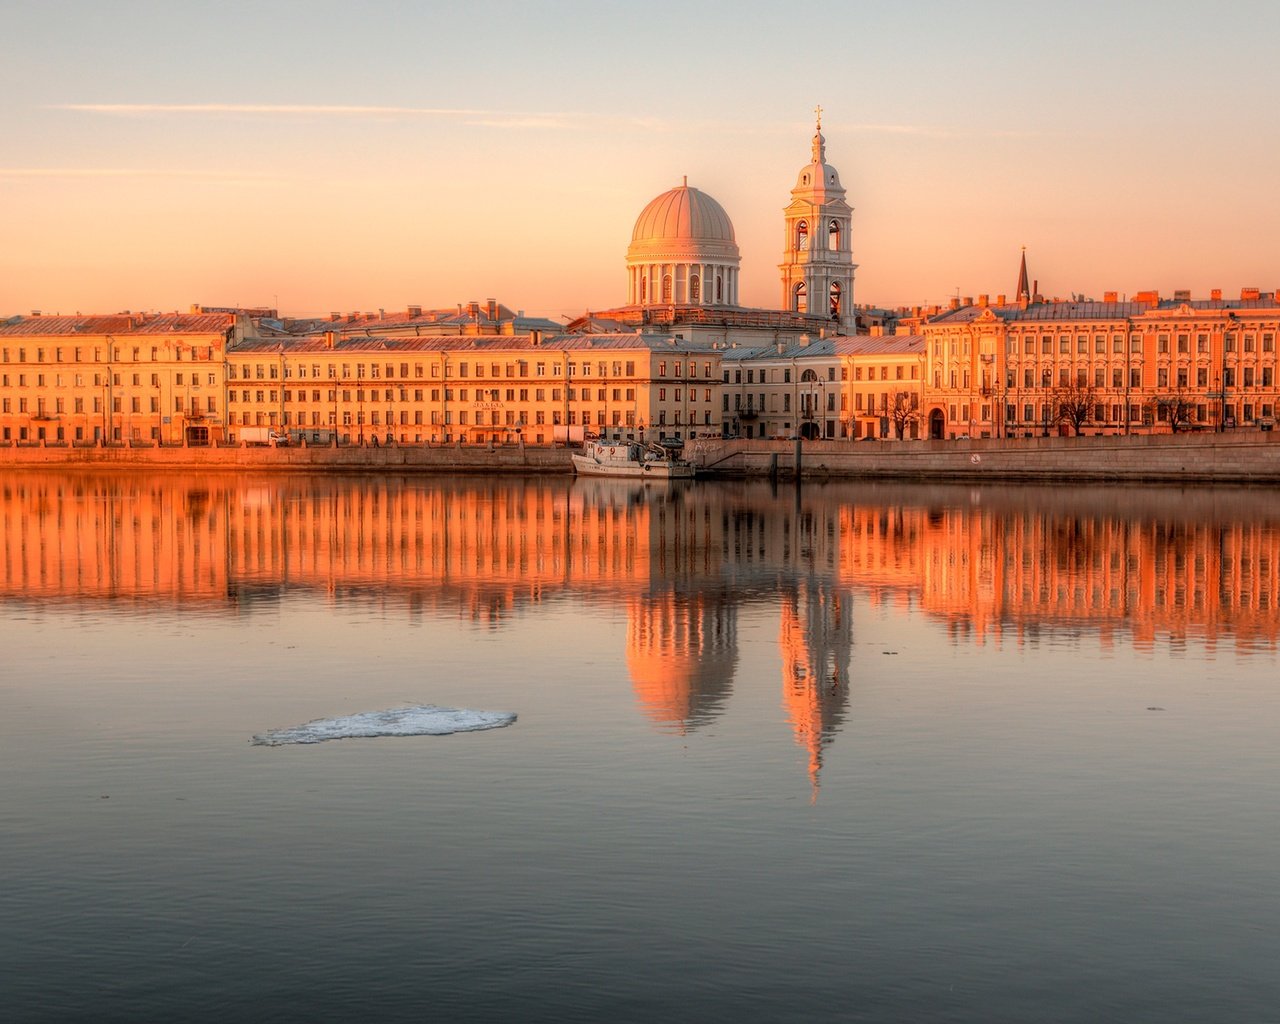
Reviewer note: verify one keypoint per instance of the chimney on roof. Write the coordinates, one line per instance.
(492, 308)
(1182, 295)
(1215, 294)
(353, 317)
(954, 302)
(535, 338)
(1249, 294)
(803, 340)
(330, 338)
(382, 313)
(1110, 297)
(415, 311)
(877, 330)
(984, 301)
(335, 316)
(474, 309)
(1000, 300)
(35, 312)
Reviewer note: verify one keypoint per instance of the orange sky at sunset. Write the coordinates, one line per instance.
(318, 158)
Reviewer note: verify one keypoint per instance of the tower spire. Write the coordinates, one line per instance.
(1024, 291)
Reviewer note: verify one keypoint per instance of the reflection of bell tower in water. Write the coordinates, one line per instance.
(816, 640)
(682, 655)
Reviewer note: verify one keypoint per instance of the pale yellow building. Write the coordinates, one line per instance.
(139, 378)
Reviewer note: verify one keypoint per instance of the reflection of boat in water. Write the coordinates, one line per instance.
(630, 459)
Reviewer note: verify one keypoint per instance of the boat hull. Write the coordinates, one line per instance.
(628, 461)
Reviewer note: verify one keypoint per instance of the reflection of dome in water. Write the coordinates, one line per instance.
(681, 655)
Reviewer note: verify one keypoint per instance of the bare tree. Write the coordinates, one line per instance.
(1073, 403)
(1175, 406)
(904, 411)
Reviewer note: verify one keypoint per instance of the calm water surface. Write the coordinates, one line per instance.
(852, 752)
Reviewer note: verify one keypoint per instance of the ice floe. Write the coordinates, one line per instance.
(419, 720)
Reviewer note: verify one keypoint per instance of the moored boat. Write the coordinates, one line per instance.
(630, 459)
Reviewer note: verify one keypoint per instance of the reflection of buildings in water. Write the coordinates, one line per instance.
(682, 655)
(111, 537)
(992, 564)
(997, 571)
(816, 642)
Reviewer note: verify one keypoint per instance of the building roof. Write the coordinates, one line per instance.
(131, 324)
(1091, 310)
(686, 224)
(360, 344)
(887, 346)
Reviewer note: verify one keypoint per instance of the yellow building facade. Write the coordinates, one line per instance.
(1141, 366)
(120, 379)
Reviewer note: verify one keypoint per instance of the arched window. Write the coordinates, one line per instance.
(695, 288)
(835, 298)
(808, 376)
(802, 236)
(800, 299)
(666, 288)
(833, 236)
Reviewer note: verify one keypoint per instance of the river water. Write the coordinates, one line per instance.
(846, 752)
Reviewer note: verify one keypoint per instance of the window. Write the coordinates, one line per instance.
(833, 236)
(802, 236)
(800, 299)
(666, 288)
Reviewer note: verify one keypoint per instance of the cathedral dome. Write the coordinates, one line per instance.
(683, 252)
(683, 221)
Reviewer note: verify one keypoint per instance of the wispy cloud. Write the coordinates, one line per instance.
(134, 172)
(526, 119)
(307, 109)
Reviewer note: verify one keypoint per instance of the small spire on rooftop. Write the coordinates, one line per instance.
(1023, 290)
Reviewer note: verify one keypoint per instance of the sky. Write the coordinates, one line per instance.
(327, 156)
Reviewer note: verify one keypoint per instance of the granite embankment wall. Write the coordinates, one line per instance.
(1240, 457)
(1252, 456)
(438, 459)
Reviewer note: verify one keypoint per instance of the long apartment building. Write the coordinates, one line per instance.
(1147, 364)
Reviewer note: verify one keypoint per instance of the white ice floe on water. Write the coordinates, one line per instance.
(419, 720)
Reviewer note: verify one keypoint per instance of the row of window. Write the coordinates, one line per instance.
(465, 368)
(79, 405)
(100, 354)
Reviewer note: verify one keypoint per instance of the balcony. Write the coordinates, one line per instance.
(748, 413)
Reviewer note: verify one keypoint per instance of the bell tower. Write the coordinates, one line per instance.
(817, 264)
